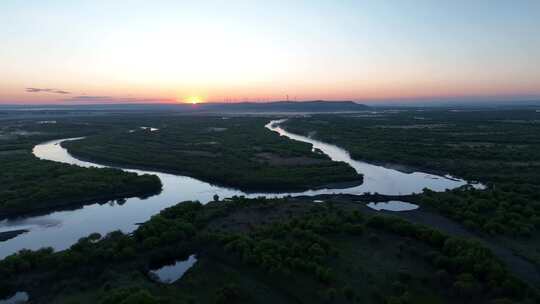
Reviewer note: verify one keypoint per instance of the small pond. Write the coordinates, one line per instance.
(18, 297)
(392, 206)
(169, 274)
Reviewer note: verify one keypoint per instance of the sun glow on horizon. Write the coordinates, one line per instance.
(235, 51)
(194, 100)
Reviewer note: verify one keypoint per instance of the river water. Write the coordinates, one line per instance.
(61, 229)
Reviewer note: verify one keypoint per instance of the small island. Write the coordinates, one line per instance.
(28, 184)
(237, 152)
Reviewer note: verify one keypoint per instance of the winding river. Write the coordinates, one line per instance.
(61, 229)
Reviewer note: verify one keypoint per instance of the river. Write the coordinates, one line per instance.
(61, 229)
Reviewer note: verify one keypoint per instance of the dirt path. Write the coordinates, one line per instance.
(519, 266)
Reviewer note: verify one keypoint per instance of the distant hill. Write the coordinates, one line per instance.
(286, 106)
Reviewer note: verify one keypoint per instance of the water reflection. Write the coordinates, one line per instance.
(169, 274)
(19, 297)
(151, 129)
(28, 223)
(61, 229)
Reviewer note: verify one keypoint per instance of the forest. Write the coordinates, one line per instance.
(230, 151)
(499, 148)
(288, 251)
(329, 249)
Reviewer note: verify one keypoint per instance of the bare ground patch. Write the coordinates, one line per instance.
(276, 160)
(198, 153)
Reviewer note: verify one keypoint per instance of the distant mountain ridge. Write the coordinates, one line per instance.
(287, 106)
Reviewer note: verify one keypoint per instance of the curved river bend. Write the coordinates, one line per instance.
(61, 229)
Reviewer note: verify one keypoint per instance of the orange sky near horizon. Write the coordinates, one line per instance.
(73, 52)
(353, 92)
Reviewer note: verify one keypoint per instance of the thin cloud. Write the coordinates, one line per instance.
(61, 92)
(41, 90)
(110, 99)
(96, 98)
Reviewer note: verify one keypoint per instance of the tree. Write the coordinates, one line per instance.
(228, 294)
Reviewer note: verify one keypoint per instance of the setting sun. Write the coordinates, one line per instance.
(194, 99)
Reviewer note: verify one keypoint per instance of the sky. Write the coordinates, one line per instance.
(96, 51)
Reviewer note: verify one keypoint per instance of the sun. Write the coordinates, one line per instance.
(194, 100)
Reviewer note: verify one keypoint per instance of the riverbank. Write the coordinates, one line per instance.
(6, 235)
(237, 152)
(250, 190)
(74, 204)
(29, 185)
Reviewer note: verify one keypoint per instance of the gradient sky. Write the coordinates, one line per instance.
(140, 51)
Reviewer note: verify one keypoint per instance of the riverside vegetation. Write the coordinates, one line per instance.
(269, 251)
(231, 151)
(500, 148)
(29, 184)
